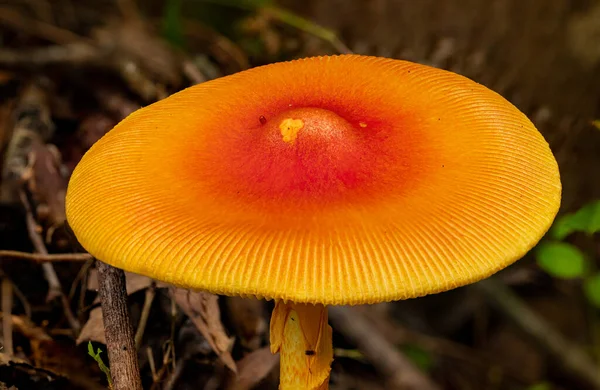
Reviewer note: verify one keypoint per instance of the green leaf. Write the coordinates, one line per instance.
(540, 386)
(561, 260)
(101, 365)
(354, 354)
(586, 219)
(242, 4)
(172, 23)
(592, 289)
(419, 357)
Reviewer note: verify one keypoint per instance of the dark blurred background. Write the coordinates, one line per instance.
(70, 70)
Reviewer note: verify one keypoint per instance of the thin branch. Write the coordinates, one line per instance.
(7, 302)
(122, 353)
(38, 243)
(571, 357)
(400, 371)
(14, 19)
(41, 258)
(54, 287)
(307, 26)
(148, 299)
(192, 72)
(151, 363)
(21, 297)
(72, 54)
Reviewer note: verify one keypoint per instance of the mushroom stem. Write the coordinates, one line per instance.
(122, 353)
(300, 333)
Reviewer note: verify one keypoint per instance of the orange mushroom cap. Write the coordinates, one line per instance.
(333, 180)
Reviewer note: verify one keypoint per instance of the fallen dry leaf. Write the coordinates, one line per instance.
(64, 359)
(28, 329)
(203, 309)
(133, 282)
(22, 375)
(33, 126)
(93, 127)
(48, 185)
(93, 330)
(248, 318)
(139, 41)
(253, 368)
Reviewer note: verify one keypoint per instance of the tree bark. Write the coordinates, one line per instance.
(122, 353)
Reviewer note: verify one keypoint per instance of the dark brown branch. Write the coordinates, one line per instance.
(122, 353)
(401, 372)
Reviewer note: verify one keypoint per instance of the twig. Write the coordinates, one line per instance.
(7, 302)
(72, 53)
(151, 363)
(108, 49)
(171, 345)
(292, 20)
(41, 258)
(307, 26)
(401, 372)
(436, 345)
(571, 357)
(138, 81)
(85, 54)
(221, 47)
(14, 19)
(28, 329)
(148, 299)
(122, 353)
(175, 376)
(21, 297)
(168, 357)
(83, 274)
(54, 287)
(192, 72)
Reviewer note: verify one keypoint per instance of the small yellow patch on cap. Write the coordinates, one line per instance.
(289, 129)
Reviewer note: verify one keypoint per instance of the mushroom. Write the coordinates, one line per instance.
(338, 180)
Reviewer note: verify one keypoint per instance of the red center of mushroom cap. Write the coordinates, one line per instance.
(296, 159)
(308, 152)
(315, 127)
